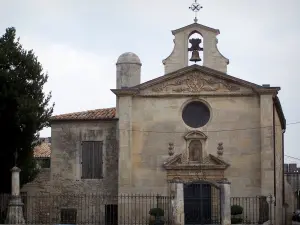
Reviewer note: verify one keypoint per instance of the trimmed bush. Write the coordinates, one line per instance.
(236, 210)
(236, 220)
(156, 212)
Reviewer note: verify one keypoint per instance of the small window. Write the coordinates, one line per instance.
(68, 216)
(92, 164)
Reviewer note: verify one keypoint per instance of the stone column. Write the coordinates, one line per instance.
(271, 201)
(225, 203)
(15, 207)
(178, 205)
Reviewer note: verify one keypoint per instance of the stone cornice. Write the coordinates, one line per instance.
(157, 95)
(195, 25)
(125, 91)
(196, 167)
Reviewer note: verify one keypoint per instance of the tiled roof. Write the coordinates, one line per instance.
(96, 114)
(42, 151)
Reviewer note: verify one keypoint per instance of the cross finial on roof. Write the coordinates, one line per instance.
(195, 7)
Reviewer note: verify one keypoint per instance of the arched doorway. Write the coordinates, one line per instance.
(202, 203)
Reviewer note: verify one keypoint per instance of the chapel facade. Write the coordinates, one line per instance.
(195, 123)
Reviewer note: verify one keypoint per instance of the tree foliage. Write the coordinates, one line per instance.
(24, 108)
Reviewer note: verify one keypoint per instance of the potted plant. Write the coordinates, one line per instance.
(236, 212)
(156, 216)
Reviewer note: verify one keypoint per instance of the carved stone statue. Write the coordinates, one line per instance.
(195, 151)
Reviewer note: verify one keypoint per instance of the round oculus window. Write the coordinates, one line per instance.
(196, 114)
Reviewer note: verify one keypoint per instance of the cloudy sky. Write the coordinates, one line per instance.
(78, 43)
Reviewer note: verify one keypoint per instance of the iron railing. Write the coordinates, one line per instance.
(89, 208)
(255, 210)
(131, 209)
(293, 178)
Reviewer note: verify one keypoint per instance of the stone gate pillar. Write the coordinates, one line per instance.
(225, 202)
(15, 207)
(178, 205)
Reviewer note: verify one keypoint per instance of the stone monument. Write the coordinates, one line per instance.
(15, 207)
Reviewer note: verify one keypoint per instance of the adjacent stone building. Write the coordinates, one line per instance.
(193, 123)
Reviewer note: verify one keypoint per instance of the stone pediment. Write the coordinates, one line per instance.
(195, 80)
(195, 83)
(210, 162)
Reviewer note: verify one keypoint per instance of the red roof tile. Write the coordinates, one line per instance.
(42, 151)
(96, 114)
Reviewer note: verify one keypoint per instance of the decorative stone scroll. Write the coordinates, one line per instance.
(195, 82)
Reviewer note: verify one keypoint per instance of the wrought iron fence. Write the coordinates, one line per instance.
(249, 210)
(90, 208)
(293, 178)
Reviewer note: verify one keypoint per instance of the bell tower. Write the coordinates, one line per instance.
(204, 50)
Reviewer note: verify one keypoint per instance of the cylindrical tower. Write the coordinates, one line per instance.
(128, 70)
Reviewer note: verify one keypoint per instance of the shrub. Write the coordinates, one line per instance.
(236, 220)
(236, 210)
(156, 212)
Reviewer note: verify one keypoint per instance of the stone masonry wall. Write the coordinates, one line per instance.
(66, 157)
(64, 188)
(156, 122)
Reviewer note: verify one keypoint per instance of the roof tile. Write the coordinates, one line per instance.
(42, 151)
(96, 114)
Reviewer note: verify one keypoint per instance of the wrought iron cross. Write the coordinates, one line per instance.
(16, 157)
(195, 7)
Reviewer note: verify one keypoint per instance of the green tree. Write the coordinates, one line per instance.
(24, 108)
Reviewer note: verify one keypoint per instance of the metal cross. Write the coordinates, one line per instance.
(16, 157)
(195, 7)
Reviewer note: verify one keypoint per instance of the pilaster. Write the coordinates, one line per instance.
(267, 154)
(125, 141)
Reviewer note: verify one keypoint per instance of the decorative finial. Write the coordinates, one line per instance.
(171, 149)
(195, 7)
(220, 149)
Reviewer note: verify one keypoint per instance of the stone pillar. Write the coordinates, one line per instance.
(178, 205)
(271, 201)
(15, 207)
(225, 203)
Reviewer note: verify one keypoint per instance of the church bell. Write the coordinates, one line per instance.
(195, 48)
(195, 56)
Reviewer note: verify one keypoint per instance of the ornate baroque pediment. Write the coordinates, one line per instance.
(211, 168)
(210, 162)
(195, 82)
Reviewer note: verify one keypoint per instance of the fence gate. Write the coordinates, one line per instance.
(202, 204)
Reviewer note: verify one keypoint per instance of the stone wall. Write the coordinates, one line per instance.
(66, 157)
(61, 186)
(65, 173)
(156, 122)
(279, 168)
